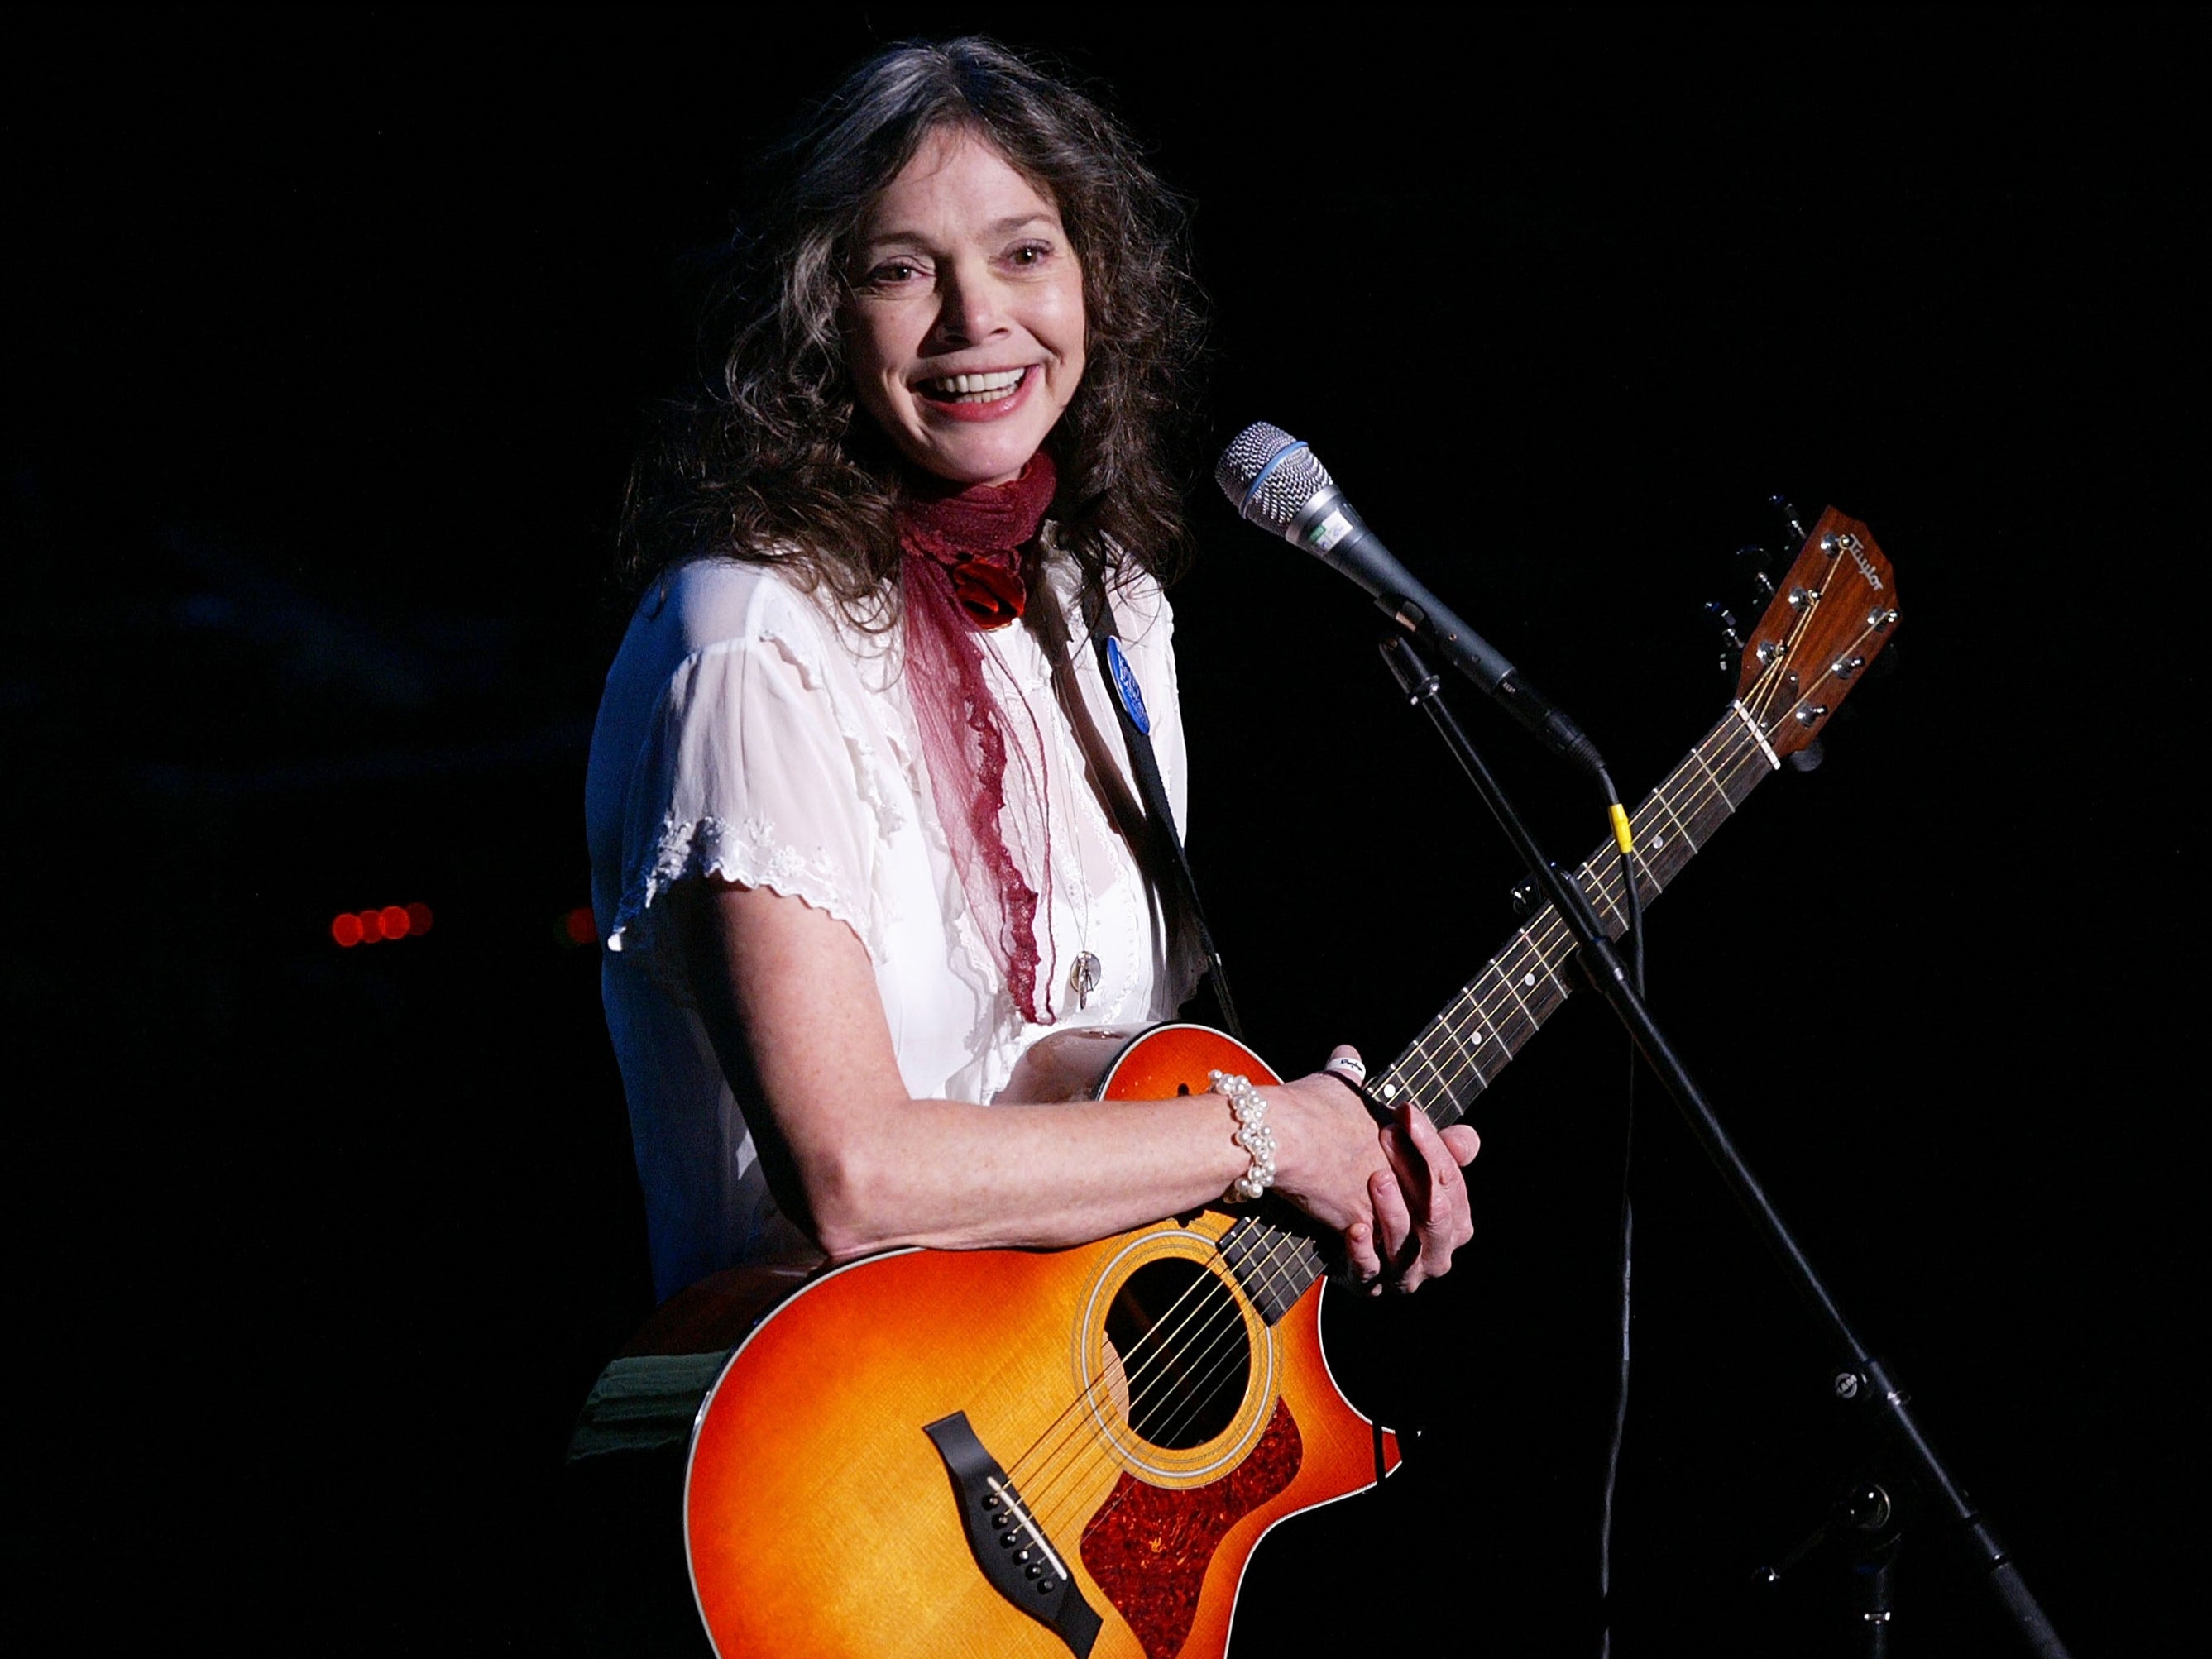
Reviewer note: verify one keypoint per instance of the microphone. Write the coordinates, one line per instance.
(1274, 480)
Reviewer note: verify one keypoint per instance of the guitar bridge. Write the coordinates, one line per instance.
(1010, 1546)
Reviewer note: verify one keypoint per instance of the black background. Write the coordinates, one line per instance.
(328, 337)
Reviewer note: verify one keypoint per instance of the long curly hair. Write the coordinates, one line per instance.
(778, 463)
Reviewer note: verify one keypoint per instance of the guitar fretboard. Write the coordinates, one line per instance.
(1480, 1031)
(1460, 1052)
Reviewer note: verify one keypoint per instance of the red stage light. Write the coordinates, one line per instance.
(582, 930)
(370, 927)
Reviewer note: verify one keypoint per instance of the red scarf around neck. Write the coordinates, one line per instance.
(963, 574)
(977, 533)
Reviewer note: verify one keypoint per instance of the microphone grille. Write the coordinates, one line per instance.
(1286, 482)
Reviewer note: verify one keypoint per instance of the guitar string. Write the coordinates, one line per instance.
(1222, 1362)
(1719, 770)
(1225, 1341)
(1552, 928)
(1283, 1243)
(1598, 874)
(1058, 1507)
(1154, 1349)
(1037, 1457)
(1225, 1337)
(1230, 1347)
(1137, 1376)
(1541, 938)
(1228, 1344)
(1541, 933)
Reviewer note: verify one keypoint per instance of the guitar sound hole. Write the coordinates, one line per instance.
(1183, 1352)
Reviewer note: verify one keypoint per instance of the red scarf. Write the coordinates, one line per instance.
(977, 534)
(964, 572)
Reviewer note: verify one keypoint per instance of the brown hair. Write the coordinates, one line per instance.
(779, 464)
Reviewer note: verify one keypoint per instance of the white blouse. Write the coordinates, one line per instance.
(750, 731)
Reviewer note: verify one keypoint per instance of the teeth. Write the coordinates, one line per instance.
(953, 385)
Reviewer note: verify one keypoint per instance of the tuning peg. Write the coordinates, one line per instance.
(1751, 559)
(1731, 636)
(1791, 522)
(1808, 758)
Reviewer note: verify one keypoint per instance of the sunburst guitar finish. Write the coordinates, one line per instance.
(1131, 1422)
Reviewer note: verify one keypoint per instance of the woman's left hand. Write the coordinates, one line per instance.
(1420, 1204)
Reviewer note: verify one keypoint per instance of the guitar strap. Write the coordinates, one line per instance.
(1128, 700)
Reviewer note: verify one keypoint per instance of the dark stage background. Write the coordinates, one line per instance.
(328, 338)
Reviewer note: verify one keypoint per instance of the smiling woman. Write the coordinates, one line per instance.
(860, 842)
(867, 841)
(967, 331)
(789, 459)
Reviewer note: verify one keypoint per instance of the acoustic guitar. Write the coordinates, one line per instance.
(1040, 1453)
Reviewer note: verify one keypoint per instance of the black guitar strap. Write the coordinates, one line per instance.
(1128, 700)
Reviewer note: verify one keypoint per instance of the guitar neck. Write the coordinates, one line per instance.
(1460, 1052)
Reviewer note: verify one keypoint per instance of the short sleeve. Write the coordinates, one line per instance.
(754, 766)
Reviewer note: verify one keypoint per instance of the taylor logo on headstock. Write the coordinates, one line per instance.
(1815, 636)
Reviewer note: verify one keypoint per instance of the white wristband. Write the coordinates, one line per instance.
(1253, 1133)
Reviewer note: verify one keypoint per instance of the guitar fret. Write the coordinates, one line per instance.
(1682, 828)
(1713, 781)
(1468, 1046)
(1592, 880)
(1421, 1053)
(1511, 1032)
(1551, 967)
(1447, 1065)
(1455, 1071)
(1737, 772)
(1468, 1028)
(1659, 855)
(1273, 1264)
(1738, 776)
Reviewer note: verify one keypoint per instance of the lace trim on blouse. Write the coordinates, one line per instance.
(750, 853)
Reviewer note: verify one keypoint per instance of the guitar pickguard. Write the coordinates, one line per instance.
(1148, 1547)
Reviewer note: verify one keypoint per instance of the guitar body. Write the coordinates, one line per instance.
(1142, 1415)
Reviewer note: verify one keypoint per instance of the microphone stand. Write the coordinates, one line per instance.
(1859, 1379)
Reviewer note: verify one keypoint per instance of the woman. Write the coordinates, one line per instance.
(859, 822)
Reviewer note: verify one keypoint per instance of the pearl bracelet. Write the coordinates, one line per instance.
(1253, 1133)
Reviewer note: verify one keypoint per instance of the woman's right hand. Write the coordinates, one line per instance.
(1394, 1191)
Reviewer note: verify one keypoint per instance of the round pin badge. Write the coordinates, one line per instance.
(1126, 688)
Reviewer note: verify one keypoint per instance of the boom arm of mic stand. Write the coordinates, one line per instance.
(1861, 1379)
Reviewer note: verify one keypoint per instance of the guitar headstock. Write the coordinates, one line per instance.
(1830, 617)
